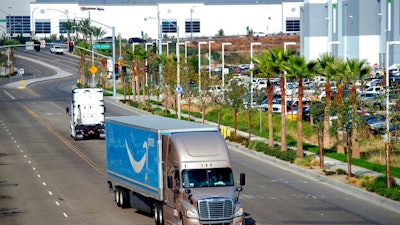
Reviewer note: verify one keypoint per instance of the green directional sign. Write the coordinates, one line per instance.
(3, 20)
(101, 46)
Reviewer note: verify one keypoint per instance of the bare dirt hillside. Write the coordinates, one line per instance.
(242, 43)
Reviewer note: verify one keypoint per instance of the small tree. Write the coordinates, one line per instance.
(235, 95)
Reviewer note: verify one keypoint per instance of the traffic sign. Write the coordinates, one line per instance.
(178, 90)
(101, 46)
(93, 69)
(4, 20)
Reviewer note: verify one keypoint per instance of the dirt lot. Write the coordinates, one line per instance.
(243, 43)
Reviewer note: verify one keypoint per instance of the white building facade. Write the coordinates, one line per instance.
(351, 29)
(207, 18)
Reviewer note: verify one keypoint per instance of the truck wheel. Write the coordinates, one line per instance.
(117, 196)
(158, 214)
(124, 198)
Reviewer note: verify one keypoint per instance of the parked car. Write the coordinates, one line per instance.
(375, 89)
(136, 40)
(371, 99)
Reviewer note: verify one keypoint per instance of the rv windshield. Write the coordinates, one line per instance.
(207, 177)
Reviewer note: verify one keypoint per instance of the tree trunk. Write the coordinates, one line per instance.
(354, 144)
(234, 121)
(340, 145)
(300, 152)
(82, 77)
(283, 114)
(249, 124)
(327, 115)
(189, 103)
(270, 128)
(321, 148)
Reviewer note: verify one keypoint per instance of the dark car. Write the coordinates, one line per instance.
(136, 40)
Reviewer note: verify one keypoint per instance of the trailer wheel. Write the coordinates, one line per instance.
(124, 198)
(117, 196)
(158, 214)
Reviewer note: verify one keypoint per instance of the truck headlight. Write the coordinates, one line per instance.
(191, 214)
(239, 212)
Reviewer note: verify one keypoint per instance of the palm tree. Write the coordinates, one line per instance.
(69, 26)
(82, 54)
(136, 57)
(85, 28)
(357, 69)
(279, 59)
(264, 69)
(338, 69)
(323, 63)
(98, 32)
(298, 68)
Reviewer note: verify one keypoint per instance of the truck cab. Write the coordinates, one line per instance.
(200, 184)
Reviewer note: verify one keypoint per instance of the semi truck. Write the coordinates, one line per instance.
(177, 171)
(87, 113)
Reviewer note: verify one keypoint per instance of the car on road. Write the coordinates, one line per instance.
(57, 49)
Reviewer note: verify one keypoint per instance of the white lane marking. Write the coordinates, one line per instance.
(58, 204)
(9, 95)
(50, 193)
(65, 215)
(44, 183)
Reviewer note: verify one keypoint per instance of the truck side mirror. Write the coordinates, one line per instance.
(170, 182)
(67, 111)
(242, 179)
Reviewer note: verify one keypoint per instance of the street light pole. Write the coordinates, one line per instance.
(285, 44)
(199, 69)
(388, 169)
(209, 58)
(113, 52)
(330, 43)
(251, 70)
(223, 62)
(178, 74)
(191, 23)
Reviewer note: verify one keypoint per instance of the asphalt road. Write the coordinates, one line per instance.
(48, 178)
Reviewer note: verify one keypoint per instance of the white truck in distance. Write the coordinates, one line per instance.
(175, 170)
(87, 113)
(57, 49)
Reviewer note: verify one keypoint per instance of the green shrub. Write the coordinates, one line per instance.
(134, 104)
(379, 183)
(395, 194)
(288, 155)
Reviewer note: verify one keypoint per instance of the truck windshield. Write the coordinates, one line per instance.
(207, 177)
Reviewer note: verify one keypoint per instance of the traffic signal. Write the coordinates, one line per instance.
(123, 70)
(154, 47)
(116, 68)
(36, 46)
(71, 46)
(147, 68)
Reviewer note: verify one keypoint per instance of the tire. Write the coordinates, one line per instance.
(124, 201)
(158, 214)
(117, 196)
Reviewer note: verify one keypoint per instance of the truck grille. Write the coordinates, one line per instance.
(215, 209)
